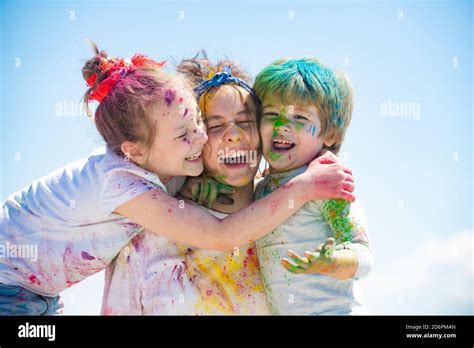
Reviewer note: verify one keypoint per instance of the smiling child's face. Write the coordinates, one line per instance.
(290, 135)
(231, 120)
(180, 135)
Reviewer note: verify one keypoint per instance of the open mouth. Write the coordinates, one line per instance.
(282, 145)
(235, 161)
(241, 158)
(194, 158)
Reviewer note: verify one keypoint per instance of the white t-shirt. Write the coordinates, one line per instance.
(153, 275)
(62, 229)
(310, 294)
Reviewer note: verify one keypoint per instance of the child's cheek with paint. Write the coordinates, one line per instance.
(289, 144)
(172, 157)
(177, 149)
(266, 134)
(309, 144)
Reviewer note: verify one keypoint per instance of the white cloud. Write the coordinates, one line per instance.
(430, 277)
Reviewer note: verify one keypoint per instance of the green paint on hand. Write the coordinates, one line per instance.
(326, 253)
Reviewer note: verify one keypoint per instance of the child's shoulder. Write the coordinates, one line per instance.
(117, 169)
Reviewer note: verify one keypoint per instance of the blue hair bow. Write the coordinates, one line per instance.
(222, 78)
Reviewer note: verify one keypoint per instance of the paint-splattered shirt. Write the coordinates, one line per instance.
(64, 225)
(154, 275)
(312, 294)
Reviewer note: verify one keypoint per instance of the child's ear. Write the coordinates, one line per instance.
(329, 139)
(134, 151)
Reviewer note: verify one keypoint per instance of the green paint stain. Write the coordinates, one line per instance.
(280, 121)
(273, 156)
(326, 253)
(336, 213)
(276, 254)
(221, 178)
(299, 126)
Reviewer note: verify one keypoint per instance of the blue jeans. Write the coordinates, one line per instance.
(15, 300)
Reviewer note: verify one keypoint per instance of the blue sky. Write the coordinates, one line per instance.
(409, 144)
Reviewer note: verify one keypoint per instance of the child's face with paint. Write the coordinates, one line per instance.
(231, 154)
(290, 135)
(180, 135)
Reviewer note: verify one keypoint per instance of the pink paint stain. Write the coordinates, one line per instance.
(274, 206)
(32, 278)
(86, 256)
(108, 311)
(137, 241)
(169, 97)
(180, 273)
(67, 256)
(75, 269)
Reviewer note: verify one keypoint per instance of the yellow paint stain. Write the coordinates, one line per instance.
(224, 280)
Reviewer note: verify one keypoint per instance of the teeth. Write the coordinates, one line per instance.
(282, 141)
(235, 159)
(193, 157)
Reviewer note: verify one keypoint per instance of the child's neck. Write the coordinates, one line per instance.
(282, 171)
(242, 197)
(165, 178)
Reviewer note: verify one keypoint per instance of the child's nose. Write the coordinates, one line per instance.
(283, 127)
(233, 134)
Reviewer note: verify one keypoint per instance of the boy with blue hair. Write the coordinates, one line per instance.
(307, 107)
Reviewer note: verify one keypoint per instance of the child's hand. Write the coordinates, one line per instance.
(329, 178)
(320, 261)
(207, 190)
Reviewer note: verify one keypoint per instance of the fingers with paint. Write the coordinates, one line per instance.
(208, 190)
(319, 261)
